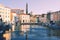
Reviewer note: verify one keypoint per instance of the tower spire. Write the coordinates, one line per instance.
(26, 8)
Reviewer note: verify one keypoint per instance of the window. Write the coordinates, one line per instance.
(23, 21)
(26, 20)
(0, 8)
(6, 12)
(6, 16)
(23, 16)
(0, 12)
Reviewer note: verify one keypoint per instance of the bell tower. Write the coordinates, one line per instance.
(26, 8)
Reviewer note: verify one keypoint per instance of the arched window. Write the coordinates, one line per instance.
(23, 21)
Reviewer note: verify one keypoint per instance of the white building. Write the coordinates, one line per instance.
(5, 13)
(24, 18)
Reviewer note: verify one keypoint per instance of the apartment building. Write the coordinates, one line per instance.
(5, 13)
(55, 16)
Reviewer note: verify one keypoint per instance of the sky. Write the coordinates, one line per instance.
(36, 6)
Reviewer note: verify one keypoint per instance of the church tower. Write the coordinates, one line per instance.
(26, 8)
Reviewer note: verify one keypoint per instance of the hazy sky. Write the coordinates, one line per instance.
(37, 6)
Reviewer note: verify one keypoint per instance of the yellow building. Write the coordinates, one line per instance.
(14, 19)
(5, 13)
